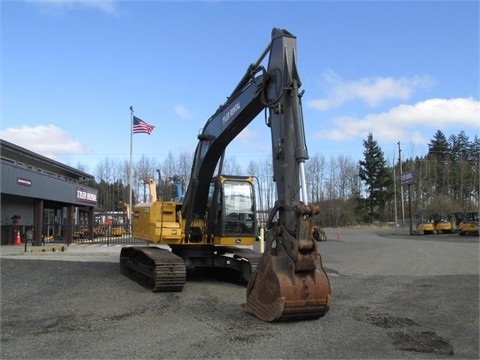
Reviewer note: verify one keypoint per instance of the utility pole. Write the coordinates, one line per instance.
(401, 186)
(395, 199)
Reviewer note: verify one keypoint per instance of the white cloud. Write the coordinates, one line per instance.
(182, 112)
(401, 122)
(107, 6)
(247, 136)
(372, 91)
(47, 140)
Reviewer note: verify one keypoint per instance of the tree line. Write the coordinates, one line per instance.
(348, 191)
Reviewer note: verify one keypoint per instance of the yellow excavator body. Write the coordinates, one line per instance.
(424, 225)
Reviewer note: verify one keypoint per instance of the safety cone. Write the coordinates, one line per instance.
(17, 239)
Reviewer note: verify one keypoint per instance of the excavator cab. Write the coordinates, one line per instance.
(232, 219)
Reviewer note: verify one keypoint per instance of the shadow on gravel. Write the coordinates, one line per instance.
(215, 275)
(407, 335)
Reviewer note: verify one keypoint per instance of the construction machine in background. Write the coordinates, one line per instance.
(215, 224)
(319, 234)
(467, 222)
(424, 224)
(441, 224)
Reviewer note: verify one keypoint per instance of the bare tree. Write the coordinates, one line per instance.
(184, 169)
(331, 207)
(315, 173)
(231, 167)
(268, 185)
(103, 174)
(253, 169)
(144, 169)
(169, 166)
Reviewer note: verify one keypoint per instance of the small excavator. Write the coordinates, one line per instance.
(441, 223)
(467, 222)
(424, 224)
(214, 225)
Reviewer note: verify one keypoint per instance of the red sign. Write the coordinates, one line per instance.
(86, 196)
(24, 182)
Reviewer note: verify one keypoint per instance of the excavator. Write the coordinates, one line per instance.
(424, 224)
(215, 223)
(467, 223)
(441, 223)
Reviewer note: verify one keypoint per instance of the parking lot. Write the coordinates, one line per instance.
(393, 297)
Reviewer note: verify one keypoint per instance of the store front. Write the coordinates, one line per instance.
(43, 200)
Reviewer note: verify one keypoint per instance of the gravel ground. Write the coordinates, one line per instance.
(83, 308)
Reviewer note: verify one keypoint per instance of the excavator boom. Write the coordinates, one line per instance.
(218, 212)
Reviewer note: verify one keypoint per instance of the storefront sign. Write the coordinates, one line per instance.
(86, 196)
(24, 182)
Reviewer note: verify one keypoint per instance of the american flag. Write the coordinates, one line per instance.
(141, 127)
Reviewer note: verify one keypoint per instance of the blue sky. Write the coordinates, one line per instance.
(71, 69)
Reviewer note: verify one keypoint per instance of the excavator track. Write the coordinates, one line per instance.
(153, 266)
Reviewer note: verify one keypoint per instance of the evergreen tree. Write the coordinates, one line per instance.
(374, 173)
(439, 155)
(464, 163)
(474, 159)
(438, 146)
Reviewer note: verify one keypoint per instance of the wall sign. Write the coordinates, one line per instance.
(86, 196)
(24, 182)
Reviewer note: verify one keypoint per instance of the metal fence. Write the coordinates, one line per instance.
(55, 233)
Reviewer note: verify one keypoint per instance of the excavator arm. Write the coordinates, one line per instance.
(289, 281)
(275, 88)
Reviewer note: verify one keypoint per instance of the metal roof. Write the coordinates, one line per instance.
(18, 154)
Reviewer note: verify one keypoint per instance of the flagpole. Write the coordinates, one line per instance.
(130, 174)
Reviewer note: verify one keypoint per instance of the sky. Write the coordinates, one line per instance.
(71, 69)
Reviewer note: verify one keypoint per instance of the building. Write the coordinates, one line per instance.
(41, 198)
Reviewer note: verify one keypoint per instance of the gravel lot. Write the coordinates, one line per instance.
(394, 297)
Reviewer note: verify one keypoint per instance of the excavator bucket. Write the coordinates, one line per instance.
(283, 288)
